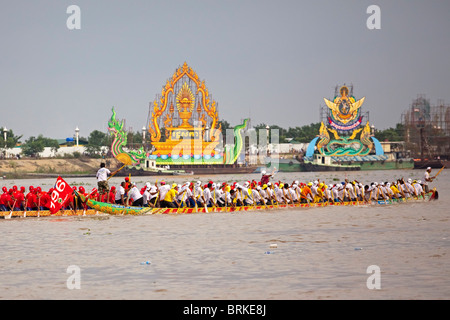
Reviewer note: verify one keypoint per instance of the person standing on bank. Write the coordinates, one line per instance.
(102, 180)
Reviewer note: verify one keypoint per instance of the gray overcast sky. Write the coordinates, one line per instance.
(272, 60)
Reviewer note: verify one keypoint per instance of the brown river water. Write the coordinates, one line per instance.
(289, 254)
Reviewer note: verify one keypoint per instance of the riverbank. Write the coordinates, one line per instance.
(29, 168)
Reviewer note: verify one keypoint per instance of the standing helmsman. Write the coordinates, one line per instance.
(427, 179)
(102, 180)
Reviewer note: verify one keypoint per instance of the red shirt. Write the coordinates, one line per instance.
(19, 198)
(44, 199)
(265, 179)
(94, 196)
(5, 199)
(112, 197)
(31, 200)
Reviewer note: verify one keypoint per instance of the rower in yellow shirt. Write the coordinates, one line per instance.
(395, 190)
(170, 200)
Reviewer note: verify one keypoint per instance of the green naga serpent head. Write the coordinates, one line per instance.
(120, 140)
(233, 154)
(116, 129)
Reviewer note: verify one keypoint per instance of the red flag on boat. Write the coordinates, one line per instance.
(59, 195)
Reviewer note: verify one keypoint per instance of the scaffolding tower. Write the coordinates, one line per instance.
(427, 129)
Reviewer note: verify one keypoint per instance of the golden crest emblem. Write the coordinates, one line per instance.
(344, 108)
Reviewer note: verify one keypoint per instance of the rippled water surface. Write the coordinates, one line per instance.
(321, 253)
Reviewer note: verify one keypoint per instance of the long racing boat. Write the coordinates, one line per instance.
(116, 209)
(97, 207)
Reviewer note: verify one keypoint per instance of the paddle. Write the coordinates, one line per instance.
(271, 195)
(298, 196)
(438, 173)
(206, 208)
(288, 197)
(276, 199)
(84, 199)
(195, 200)
(214, 201)
(400, 189)
(274, 171)
(39, 206)
(253, 199)
(125, 159)
(226, 200)
(306, 197)
(10, 213)
(181, 202)
(263, 200)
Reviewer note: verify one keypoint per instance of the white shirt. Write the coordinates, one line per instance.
(335, 192)
(198, 192)
(314, 190)
(238, 194)
(384, 192)
(184, 194)
(120, 192)
(207, 194)
(426, 176)
(146, 196)
(152, 191)
(162, 191)
(389, 191)
(256, 195)
(349, 189)
(279, 195)
(405, 190)
(417, 189)
(102, 174)
(263, 194)
(217, 194)
(291, 194)
(134, 193)
(410, 187)
(246, 194)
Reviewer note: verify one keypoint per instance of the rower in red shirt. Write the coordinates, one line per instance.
(31, 199)
(81, 204)
(94, 195)
(112, 195)
(19, 199)
(8, 200)
(4, 199)
(44, 199)
(69, 204)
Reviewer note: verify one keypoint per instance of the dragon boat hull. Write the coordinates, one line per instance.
(115, 209)
(97, 207)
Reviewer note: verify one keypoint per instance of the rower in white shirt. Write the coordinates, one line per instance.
(198, 193)
(163, 189)
(418, 190)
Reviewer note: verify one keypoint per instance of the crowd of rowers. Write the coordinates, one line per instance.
(211, 194)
